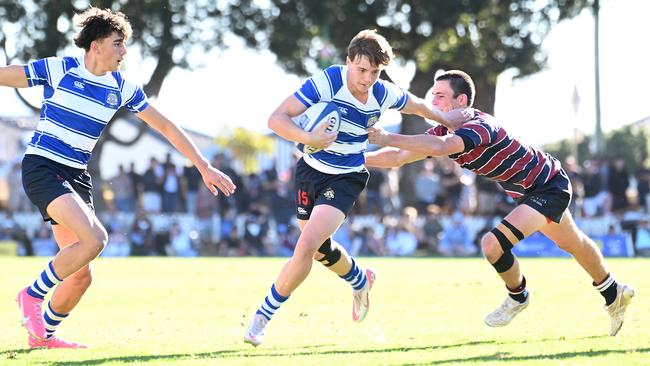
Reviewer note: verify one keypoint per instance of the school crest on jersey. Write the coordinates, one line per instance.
(372, 120)
(112, 99)
(329, 194)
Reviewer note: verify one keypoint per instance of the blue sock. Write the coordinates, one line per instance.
(271, 304)
(52, 320)
(44, 283)
(356, 277)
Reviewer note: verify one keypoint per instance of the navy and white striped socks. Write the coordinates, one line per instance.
(52, 320)
(44, 283)
(356, 277)
(271, 304)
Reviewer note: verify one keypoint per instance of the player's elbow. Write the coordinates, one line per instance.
(275, 121)
(272, 122)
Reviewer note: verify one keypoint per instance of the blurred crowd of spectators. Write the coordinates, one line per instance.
(166, 210)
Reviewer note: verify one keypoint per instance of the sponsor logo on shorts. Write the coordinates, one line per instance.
(329, 194)
(539, 201)
(302, 211)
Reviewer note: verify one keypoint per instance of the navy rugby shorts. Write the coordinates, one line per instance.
(551, 199)
(317, 188)
(44, 180)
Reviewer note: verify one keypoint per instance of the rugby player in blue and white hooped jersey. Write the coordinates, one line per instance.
(328, 182)
(532, 177)
(81, 95)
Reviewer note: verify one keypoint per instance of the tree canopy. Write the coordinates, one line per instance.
(481, 37)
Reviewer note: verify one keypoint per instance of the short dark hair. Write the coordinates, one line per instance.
(98, 23)
(460, 82)
(372, 45)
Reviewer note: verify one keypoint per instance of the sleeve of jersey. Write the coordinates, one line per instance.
(43, 71)
(473, 134)
(316, 88)
(396, 97)
(439, 130)
(137, 100)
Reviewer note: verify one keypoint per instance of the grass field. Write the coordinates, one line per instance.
(166, 311)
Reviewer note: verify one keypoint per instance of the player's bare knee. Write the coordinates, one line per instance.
(305, 250)
(97, 241)
(505, 260)
(491, 247)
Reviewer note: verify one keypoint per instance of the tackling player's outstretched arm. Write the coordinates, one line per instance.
(390, 157)
(212, 178)
(13, 76)
(452, 119)
(427, 145)
(280, 122)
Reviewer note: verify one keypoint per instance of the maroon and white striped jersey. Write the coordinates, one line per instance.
(491, 152)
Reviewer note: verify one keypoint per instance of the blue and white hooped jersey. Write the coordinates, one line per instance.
(77, 106)
(345, 155)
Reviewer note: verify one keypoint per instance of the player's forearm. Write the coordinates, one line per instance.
(282, 125)
(390, 157)
(182, 142)
(419, 107)
(175, 135)
(421, 144)
(383, 158)
(13, 76)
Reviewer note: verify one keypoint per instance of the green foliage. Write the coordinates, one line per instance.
(167, 31)
(482, 37)
(565, 148)
(424, 312)
(629, 143)
(246, 145)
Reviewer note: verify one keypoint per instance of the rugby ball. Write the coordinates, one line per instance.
(326, 112)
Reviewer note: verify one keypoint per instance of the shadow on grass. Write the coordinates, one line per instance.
(11, 353)
(317, 350)
(251, 353)
(503, 357)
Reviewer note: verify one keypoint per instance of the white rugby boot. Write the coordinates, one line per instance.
(506, 312)
(616, 310)
(255, 333)
(361, 299)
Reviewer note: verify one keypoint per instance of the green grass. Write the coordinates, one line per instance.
(167, 311)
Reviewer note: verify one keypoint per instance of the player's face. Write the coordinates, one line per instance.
(361, 74)
(111, 51)
(443, 96)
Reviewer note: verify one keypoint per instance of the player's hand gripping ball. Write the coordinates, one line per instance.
(322, 112)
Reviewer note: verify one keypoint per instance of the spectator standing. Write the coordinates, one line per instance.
(152, 187)
(122, 187)
(618, 180)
